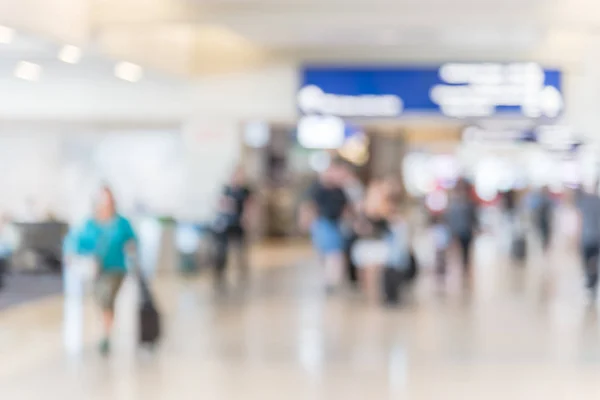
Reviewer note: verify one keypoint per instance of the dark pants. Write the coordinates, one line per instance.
(3, 270)
(234, 238)
(545, 231)
(352, 270)
(590, 255)
(465, 249)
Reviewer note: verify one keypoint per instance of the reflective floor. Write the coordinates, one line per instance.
(524, 332)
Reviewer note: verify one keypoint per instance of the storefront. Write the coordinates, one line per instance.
(376, 116)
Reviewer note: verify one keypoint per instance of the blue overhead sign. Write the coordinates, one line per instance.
(455, 90)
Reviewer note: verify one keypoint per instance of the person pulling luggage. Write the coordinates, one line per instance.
(372, 252)
(110, 239)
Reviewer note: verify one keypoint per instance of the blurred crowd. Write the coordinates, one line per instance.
(363, 232)
(367, 233)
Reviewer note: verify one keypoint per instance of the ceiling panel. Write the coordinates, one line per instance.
(192, 36)
(93, 66)
(22, 44)
(325, 36)
(371, 3)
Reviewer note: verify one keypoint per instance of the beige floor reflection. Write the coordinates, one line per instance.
(516, 336)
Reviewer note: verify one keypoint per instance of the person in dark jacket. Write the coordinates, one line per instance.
(231, 226)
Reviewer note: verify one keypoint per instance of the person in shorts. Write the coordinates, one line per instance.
(371, 251)
(110, 239)
(322, 213)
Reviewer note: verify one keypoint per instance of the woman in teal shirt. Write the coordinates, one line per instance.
(110, 239)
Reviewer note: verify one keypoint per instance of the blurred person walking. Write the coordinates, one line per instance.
(235, 209)
(510, 201)
(372, 250)
(355, 193)
(588, 204)
(401, 267)
(518, 243)
(110, 239)
(321, 212)
(544, 212)
(461, 218)
(382, 251)
(442, 238)
(6, 248)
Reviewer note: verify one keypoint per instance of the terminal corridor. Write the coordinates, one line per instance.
(299, 200)
(522, 333)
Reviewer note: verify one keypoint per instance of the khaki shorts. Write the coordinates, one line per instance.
(106, 289)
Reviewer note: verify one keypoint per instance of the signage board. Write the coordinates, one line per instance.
(455, 90)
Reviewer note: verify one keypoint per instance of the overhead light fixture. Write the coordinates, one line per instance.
(6, 34)
(321, 132)
(70, 54)
(129, 71)
(28, 71)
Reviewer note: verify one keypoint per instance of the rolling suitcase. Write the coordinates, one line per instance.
(391, 284)
(149, 316)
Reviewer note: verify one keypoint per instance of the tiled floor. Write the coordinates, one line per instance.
(522, 333)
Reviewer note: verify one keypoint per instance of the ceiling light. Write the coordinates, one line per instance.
(6, 34)
(128, 71)
(28, 71)
(70, 54)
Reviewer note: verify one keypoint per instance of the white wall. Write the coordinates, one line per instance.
(207, 115)
(582, 95)
(61, 172)
(30, 170)
(266, 93)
